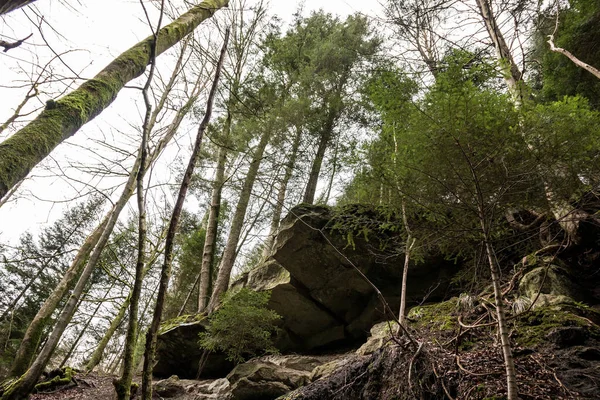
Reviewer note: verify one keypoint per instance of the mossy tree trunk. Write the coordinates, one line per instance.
(210, 241)
(170, 239)
(63, 118)
(7, 6)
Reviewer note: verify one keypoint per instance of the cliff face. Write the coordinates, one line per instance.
(317, 280)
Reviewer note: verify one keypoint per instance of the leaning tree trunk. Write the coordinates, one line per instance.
(173, 225)
(114, 324)
(229, 254)
(313, 177)
(31, 339)
(85, 326)
(63, 118)
(7, 6)
(289, 169)
(208, 253)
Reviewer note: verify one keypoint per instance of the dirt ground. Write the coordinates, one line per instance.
(87, 387)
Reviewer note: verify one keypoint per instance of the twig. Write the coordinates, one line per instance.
(11, 45)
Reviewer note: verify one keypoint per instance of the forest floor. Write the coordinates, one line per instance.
(87, 387)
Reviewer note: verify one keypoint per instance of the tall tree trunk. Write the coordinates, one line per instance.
(333, 171)
(289, 170)
(173, 224)
(210, 240)
(511, 71)
(63, 118)
(123, 385)
(7, 6)
(229, 254)
(313, 177)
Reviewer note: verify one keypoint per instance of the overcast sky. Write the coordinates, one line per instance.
(92, 33)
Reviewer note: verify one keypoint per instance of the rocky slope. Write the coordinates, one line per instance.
(327, 305)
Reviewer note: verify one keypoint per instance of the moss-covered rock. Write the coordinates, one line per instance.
(59, 377)
(553, 282)
(380, 335)
(435, 317)
(535, 328)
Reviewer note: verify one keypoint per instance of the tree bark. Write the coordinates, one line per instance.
(7, 6)
(123, 385)
(509, 364)
(63, 118)
(313, 177)
(210, 240)
(230, 253)
(173, 224)
(511, 71)
(289, 169)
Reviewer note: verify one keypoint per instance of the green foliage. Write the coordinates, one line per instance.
(564, 137)
(242, 327)
(30, 270)
(578, 33)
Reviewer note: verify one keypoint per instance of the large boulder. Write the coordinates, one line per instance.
(178, 352)
(318, 286)
(550, 283)
(326, 280)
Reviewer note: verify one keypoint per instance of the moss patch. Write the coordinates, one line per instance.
(181, 320)
(533, 327)
(57, 378)
(435, 317)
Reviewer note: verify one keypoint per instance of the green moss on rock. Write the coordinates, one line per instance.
(435, 317)
(178, 321)
(533, 327)
(63, 377)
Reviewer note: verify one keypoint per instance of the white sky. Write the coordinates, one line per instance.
(94, 32)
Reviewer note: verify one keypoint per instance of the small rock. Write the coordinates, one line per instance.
(170, 387)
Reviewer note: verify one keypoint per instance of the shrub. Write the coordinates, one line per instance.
(243, 327)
